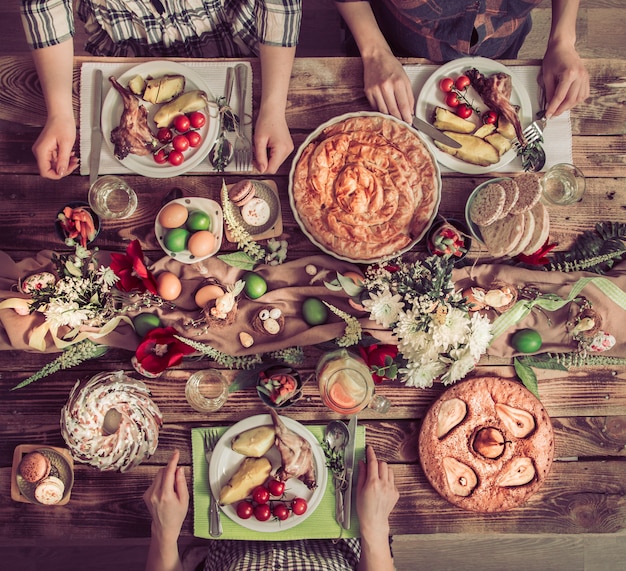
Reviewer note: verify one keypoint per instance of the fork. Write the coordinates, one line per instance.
(215, 525)
(532, 133)
(243, 147)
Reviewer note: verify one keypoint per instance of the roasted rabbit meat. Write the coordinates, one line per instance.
(132, 135)
(295, 454)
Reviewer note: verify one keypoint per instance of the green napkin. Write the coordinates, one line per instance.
(320, 524)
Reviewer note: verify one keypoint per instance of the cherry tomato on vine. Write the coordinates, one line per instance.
(276, 487)
(261, 495)
(194, 138)
(462, 82)
(490, 117)
(262, 512)
(452, 100)
(160, 157)
(281, 511)
(182, 123)
(197, 119)
(464, 111)
(164, 135)
(299, 506)
(446, 84)
(180, 143)
(175, 158)
(245, 509)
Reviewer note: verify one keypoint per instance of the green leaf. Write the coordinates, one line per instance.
(240, 260)
(244, 380)
(527, 376)
(543, 361)
(349, 286)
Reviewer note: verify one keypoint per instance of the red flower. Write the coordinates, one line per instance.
(133, 273)
(538, 258)
(160, 350)
(381, 360)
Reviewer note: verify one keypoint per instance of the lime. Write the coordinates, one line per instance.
(198, 220)
(176, 239)
(146, 322)
(314, 311)
(255, 286)
(526, 341)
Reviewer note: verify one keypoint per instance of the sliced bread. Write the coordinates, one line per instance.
(529, 228)
(511, 194)
(487, 205)
(529, 186)
(503, 235)
(542, 229)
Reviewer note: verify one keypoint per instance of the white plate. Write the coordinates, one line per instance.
(212, 208)
(431, 96)
(225, 461)
(112, 111)
(429, 147)
(473, 227)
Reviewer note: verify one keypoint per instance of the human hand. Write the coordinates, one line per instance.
(272, 141)
(167, 500)
(387, 86)
(53, 148)
(565, 79)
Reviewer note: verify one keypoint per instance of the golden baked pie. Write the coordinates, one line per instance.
(487, 444)
(365, 187)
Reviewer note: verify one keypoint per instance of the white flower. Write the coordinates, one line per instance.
(384, 307)
(61, 313)
(480, 336)
(421, 375)
(453, 330)
(463, 362)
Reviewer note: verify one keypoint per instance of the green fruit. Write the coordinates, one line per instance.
(255, 286)
(199, 220)
(526, 341)
(314, 311)
(146, 322)
(176, 239)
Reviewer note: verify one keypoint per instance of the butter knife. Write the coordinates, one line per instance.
(96, 131)
(349, 461)
(434, 133)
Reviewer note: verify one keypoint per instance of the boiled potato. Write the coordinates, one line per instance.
(484, 130)
(163, 89)
(502, 144)
(186, 103)
(254, 442)
(447, 121)
(251, 473)
(506, 129)
(137, 85)
(473, 149)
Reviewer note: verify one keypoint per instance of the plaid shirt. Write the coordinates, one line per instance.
(299, 555)
(446, 30)
(162, 28)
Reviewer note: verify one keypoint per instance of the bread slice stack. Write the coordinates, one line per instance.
(510, 216)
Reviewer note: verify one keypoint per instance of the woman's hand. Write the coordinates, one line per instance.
(272, 141)
(565, 79)
(53, 148)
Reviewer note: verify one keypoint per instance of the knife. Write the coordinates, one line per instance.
(96, 131)
(349, 462)
(434, 133)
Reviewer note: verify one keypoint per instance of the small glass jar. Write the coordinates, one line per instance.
(110, 197)
(563, 184)
(206, 390)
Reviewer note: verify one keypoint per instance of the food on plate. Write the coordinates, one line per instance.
(365, 187)
(173, 215)
(445, 120)
(527, 234)
(78, 223)
(252, 472)
(503, 235)
(295, 453)
(188, 102)
(541, 230)
(529, 186)
(484, 130)
(254, 442)
(500, 142)
(511, 194)
(50, 491)
(161, 89)
(488, 205)
(473, 149)
(241, 192)
(34, 466)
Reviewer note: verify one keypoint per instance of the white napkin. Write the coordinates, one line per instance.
(213, 73)
(557, 134)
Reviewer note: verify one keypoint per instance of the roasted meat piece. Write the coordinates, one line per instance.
(132, 135)
(295, 454)
(495, 91)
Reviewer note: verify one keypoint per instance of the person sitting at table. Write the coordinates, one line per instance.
(444, 31)
(162, 28)
(167, 499)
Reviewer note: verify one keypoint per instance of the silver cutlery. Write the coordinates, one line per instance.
(221, 152)
(96, 131)
(215, 525)
(349, 460)
(243, 147)
(532, 154)
(434, 133)
(337, 437)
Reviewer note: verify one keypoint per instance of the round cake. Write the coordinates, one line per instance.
(365, 187)
(486, 444)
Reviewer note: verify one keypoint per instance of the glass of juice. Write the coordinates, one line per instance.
(346, 384)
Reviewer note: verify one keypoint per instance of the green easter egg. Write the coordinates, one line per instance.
(314, 311)
(255, 286)
(526, 341)
(146, 322)
(199, 220)
(176, 239)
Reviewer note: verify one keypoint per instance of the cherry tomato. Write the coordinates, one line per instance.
(175, 158)
(464, 111)
(164, 135)
(194, 138)
(490, 117)
(160, 157)
(182, 123)
(276, 487)
(197, 119)
(263, 512)
(261, 495)
(281, 511)
(245, 509)
(299, 506)
(452, 100)
(462, 82)
(446, 84)
(180, 143)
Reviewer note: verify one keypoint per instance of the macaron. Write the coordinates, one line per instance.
(50, 491)
(34, 466)
(241, 192)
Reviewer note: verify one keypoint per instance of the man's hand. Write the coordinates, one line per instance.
(565, 79)
(53, 148)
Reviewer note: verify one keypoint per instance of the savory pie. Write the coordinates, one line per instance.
(366, 187)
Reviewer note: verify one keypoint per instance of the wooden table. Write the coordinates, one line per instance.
(585, 490)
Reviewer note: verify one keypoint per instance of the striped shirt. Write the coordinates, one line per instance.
(449, 29)
(166, 28)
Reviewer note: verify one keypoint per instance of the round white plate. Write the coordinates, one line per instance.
(313, 136)
(112, 111)
(431, 96)
(225, 461)
(212, 208)
(473, 227)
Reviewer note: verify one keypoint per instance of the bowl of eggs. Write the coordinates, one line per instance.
(190, 229)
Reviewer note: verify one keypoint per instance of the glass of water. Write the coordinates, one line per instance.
(563, 184)
(110, 197)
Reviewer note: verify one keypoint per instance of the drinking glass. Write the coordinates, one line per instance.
(111, 197)
(206, 390)
(563, 184)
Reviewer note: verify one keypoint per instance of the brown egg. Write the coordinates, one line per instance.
(168, 286)
(201, 243)
(173, 215)
(208, 293)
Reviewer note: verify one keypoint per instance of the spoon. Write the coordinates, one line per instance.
(221, 153)
(337, 437)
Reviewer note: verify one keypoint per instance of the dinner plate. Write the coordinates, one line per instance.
(210, 207)
(225, 461)
(113, 106)
(473, 227)
(431, 97)
(59, 467)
